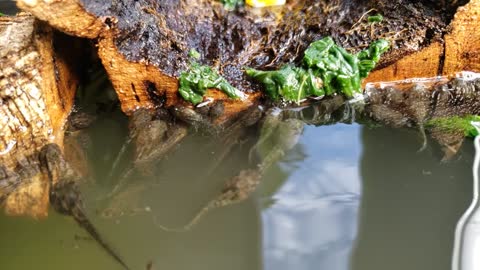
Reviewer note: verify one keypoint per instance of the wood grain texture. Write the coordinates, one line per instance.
(460, 51)
(422, 64)
(462, 44)
(36, 96)
(66, 15)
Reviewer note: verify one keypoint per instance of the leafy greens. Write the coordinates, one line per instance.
(231, 4)
(195, 82)
(326, 69)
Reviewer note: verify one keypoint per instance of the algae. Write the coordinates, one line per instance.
(455, 124)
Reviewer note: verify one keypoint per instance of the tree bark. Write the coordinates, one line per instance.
(37, 87)
(136, 47)
(458, 51)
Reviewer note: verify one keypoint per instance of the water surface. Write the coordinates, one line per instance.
(345, 197)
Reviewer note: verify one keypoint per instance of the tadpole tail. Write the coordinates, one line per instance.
(193, 221)
(83, 222)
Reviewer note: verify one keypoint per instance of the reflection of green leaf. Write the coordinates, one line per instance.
(195, 82)
(455, 123)
(326, 69)
(1, 14)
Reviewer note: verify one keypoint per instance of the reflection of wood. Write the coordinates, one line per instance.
(406, 104)
(36, 96)
(460, 51)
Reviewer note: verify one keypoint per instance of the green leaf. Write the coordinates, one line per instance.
(199, 78)
(375, 18)
(327, 69)
(194, 54)
(231, 4)
(317, 51)
(289, 82)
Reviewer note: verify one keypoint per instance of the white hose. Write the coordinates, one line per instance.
(466, 250)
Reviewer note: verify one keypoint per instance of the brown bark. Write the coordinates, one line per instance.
(462, 44)
(143, 83)
(460, 51)
(37, 87)
(422, 64)
(66, 15)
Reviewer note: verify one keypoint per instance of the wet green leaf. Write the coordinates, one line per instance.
(369, 58)
(194, 54)
(195, 82)
(231, 4)
(375, 18)
(326, 69)
(289, 82)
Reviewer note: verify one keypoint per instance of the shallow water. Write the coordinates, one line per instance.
(345, 197)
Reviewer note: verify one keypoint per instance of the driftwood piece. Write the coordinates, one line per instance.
(37, 87)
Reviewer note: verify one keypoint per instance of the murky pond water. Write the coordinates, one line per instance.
(345, 197)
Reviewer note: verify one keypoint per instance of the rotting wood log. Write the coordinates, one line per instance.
(458, 51)
(462, 44)
(37, 87)
(145, 49)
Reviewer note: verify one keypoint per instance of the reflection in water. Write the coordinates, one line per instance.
(411, 202)
(346, 197)
(312, 224)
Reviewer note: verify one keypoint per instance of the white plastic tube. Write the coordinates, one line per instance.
(466, 251)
